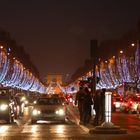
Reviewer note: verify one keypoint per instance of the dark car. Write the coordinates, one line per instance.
(7, 107)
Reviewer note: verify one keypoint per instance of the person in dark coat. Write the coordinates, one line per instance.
(97, 107)
(87, 106)
(79, 100)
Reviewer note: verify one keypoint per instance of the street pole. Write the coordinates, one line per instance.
(94, 56)
(107, 127)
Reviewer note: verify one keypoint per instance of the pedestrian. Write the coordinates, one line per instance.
(102, 109)
(79, 100)
(96, 105)
(87, 106)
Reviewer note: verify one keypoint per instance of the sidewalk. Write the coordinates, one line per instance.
(75, 115)
(118, 118)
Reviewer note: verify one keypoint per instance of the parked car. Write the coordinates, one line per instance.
(7, 108)
(49, 109)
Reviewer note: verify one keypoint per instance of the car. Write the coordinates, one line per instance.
(29, 101)
(69, 98)
(130, 104)
(124, 107)
(135, 103)
(7, 108)
(48, 109)
(116, 103)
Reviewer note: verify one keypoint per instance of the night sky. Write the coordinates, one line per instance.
(57, 33)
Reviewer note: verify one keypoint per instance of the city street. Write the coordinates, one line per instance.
(23, 129)
(70, 70)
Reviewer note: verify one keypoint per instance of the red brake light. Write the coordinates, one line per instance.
(131, 102)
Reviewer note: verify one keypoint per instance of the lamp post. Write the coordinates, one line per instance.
(108, 105)
(94, 57)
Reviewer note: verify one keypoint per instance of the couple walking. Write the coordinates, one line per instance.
(84, 101)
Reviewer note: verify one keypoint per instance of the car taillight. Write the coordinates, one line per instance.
(114, 103)
(131, 102)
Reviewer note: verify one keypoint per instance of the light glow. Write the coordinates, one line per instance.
(3, 107)
(108, 107)
(60, 112)
(3, 129)
(36, 112)
(60, 129)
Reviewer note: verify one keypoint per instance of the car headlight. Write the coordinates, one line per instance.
(60, 112)
(35, 102)
(36, 112)
(26, 102)
(3, 107)
(23, 99)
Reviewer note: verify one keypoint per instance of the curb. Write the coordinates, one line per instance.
(86, 129)
(99, 130)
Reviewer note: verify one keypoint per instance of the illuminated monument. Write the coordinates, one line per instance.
(56, 78)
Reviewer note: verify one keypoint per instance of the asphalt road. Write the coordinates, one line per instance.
(22, 129)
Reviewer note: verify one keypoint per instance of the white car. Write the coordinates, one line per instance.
(48, 109)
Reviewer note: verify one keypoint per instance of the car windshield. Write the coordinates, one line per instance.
(49, 101)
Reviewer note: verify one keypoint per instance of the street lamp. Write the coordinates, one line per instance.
(133, 44)
(1, 47)
(121, 52)
(114, 57)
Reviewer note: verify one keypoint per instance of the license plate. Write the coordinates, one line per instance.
(47, 115)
